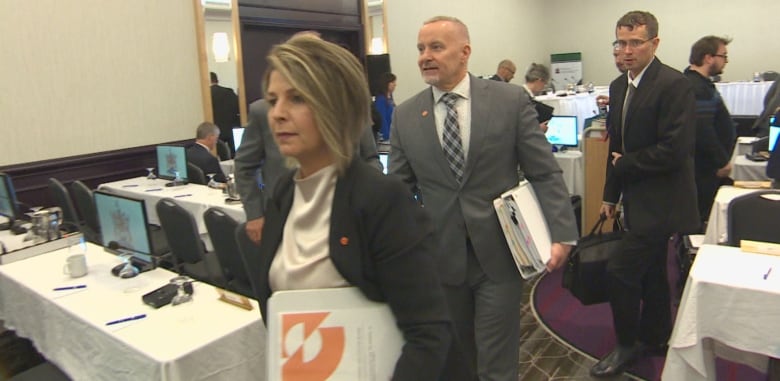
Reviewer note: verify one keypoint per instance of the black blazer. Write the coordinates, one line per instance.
(224, 104)
(655, 174)
(201, 157)
(381, 241)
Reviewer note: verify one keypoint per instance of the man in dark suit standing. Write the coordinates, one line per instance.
(461, 142)
(200, 152)
(715, 131)
(652, 127)
(224, 104)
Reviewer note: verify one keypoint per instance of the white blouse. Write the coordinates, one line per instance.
(303, 258)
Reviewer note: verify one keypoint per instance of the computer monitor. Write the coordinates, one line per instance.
(123, 224)
(8, 199)
(238, 136)
(384, 158)
(562, 131)
(171, 159)
(774, 130)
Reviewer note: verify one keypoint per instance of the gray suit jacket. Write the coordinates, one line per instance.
(258, 153)
(505, 137)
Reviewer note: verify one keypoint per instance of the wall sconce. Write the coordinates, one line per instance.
(220, 47)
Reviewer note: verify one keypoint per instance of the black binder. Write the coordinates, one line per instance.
(543, 112)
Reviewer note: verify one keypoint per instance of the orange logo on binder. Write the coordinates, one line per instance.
(311, 352)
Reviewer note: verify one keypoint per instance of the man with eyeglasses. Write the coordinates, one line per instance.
(715, 131)
(651, 126)
(505, 72)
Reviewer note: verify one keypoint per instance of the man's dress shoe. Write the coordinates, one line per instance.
(616, 362)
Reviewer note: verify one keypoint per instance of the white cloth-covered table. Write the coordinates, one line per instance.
(582, 105)
(571, 162)
(195, 198)
(744, 98)
(730, 309)
(717, 224)
(202, 340)
(744, 169)
(227, 166)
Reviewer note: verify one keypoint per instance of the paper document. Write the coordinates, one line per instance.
(330, 334)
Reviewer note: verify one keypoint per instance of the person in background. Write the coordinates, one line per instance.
(334, 221)
(258, 163)
(536, 79)
(651, 128)
(715, 131)
(603, 100)
(384, 103)
(224, 105)
(505, 71)
(199, 153)
(771, 107)
(461, 142)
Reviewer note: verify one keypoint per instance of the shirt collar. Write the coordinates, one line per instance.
(641, 74)
(463, 88)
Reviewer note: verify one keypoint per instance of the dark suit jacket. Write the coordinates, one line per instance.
(655, 173)
(201, 157)
(224, 104)
(388, 257)
(771, 103)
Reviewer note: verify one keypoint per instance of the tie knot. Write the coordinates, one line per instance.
(449, 99)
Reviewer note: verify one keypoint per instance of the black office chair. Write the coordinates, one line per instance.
(44, 371)
(195, 174)
(754, 216)
(248, 250)
(189, 252)
(770, 75)
(223, 150)
(221, 229)
(61, 196)
(85, 204)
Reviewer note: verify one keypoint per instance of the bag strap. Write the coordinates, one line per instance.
(599, 224)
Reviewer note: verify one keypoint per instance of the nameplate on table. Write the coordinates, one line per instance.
(237, 300)
(759, 247)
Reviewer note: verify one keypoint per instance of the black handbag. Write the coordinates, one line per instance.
(585, 275)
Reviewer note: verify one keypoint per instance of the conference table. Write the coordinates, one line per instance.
(717, 224)
(195, 198)
(572, 164)
(582, 105)
(205, 339)
(744, 169)
(730, 308)
(744, 98)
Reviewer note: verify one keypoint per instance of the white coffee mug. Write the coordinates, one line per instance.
(76, 266)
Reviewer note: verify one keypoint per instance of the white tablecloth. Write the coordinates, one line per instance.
(717, 224)
(744, 169)
(744, 98)
(729, 309)
(571, 162)
(202, 340)
(195, 198)
(582, 105)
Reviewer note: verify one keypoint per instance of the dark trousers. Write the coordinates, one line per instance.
(639, 290)
(486, 314)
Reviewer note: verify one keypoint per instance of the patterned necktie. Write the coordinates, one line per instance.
(452, 145)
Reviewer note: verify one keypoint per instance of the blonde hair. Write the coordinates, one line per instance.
(332, 83)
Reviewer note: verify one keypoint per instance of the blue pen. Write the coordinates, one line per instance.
(154, 189)
(71, 287)
(131, 318)
(183, 195)
(129, 185)
(767, 273)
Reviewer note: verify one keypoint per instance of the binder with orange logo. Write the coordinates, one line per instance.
(330, 334)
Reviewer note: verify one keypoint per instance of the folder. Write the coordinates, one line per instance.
(525, 228)
(544, 112)
(333, 334)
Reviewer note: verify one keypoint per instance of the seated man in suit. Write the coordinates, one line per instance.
(200, 153)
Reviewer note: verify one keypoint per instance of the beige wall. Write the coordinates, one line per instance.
(530, 30)
(95, 75)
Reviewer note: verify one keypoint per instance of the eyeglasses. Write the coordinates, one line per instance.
(620, 45)
(724, 56)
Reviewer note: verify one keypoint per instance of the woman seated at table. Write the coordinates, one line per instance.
(334, 221)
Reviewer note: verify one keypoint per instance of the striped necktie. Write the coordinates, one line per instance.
(452, 144)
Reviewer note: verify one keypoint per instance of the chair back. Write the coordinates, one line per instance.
(754, 216)
(85, 204)
(195, 174)
(223, 150)
(181, 231)
(221, 228)
(62, 199)
(770, 75)
(247, 249)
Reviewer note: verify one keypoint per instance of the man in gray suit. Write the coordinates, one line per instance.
(258, 157)
(461, 157)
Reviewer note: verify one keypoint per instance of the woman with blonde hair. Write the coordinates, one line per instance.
(334, 221)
